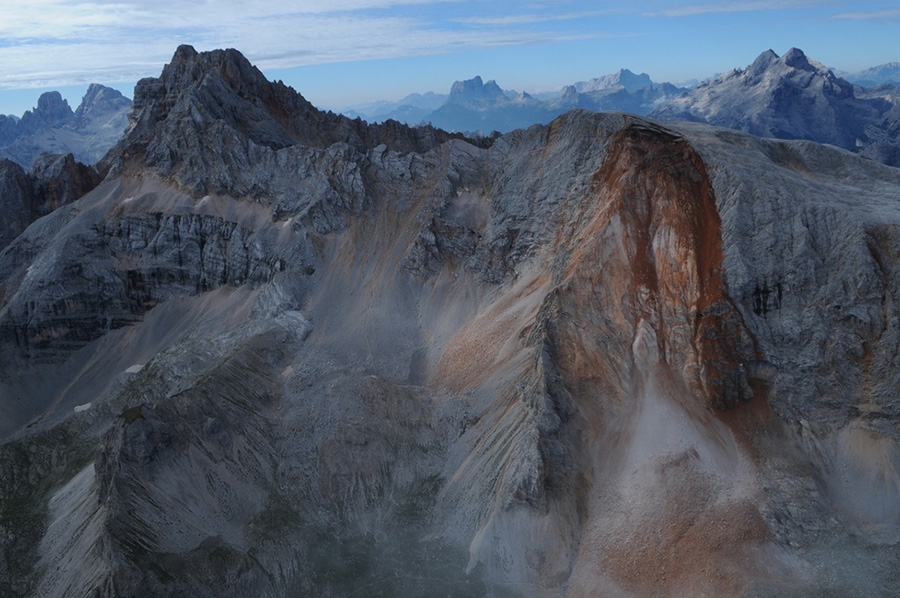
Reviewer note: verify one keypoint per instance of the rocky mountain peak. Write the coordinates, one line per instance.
(52, 127)
(204, 85)
(787, 97)
(100, 101)
(797, 59)
(8, 125)
(217, 109)
(793, 67)
(53, 108)
(474, 92)
(52, 111)
(762, 63)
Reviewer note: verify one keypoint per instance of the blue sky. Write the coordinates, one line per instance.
(346, 52)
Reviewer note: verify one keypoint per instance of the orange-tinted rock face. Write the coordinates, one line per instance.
(602, 443)
(647, 343)
(643, 286)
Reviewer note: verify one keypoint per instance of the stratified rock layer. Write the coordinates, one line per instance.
(279, 352)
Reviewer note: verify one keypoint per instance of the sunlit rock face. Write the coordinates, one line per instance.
(279, 352)
(793, 97)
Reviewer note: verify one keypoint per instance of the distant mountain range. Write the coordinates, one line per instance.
(87, 133)
(877, 75)
(793, 97)
(784, 97)
(477, 107)
(787, 97)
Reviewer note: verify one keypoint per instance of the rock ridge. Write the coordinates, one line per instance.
(214, 106)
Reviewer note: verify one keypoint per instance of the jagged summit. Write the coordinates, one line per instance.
(201, 78)
(52, 111)
(474, 93)
(762, 63)
(52, 127)
(216, 108)
(786, 97)
(100, 103)
(797, 59)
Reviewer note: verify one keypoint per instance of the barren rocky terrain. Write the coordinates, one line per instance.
(279, 352)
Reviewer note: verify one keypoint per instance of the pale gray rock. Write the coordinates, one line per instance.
(876, 75)
(598, 356)
(623, 79)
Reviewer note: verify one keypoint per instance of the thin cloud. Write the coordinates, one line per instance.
(531, 18)
(66, 42)
(887, 14)
(732, 7)
(64, 19)
(123, 42)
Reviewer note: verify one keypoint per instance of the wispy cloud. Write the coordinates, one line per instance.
(528, 19)
(887, 14)
(64, 42)
(733, 7)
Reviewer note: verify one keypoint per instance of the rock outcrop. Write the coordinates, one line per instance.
(281, 352)
(52, 181)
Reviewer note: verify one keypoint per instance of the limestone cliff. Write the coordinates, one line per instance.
(280, 352)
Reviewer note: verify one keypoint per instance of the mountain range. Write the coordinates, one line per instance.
(791, 97)
(787, 97)
(888, 73)
(478, 107)
(52, 127)
(276, 351)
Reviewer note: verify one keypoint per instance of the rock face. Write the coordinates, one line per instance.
(87, 133)
(788, 97)
(281, 352)
(475, 93)
(51, 182)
